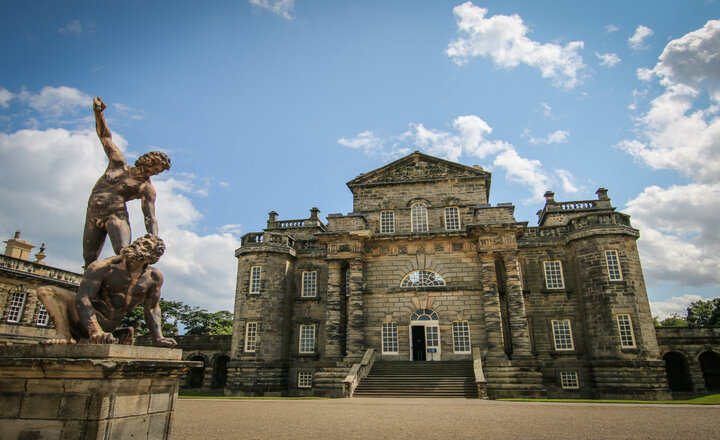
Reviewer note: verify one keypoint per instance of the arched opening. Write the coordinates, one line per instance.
(424, 336)
(710, 365)
(678, 374)
(220, 371)
(197, 374)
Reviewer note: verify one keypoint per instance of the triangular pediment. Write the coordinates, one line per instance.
(418, 167)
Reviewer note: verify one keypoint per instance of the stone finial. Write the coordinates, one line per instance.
(314, 213)
(41, 255)
(549, 197)
(272, 216)
(602, 194)
(17, 234)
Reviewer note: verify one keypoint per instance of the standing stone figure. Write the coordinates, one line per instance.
(109, 290)
(106, 212)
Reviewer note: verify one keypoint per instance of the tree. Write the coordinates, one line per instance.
(196, 321)
(704, 313)
(673, 320)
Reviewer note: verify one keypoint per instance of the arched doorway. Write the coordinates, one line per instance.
(710, 365)
(196, 374)
(424, 336)
(220, 371)
(678, 374)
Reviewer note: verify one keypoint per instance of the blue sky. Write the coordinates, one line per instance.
(273, 105)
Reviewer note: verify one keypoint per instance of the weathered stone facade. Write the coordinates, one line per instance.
(425, 269)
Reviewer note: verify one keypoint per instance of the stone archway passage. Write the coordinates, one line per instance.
(197, 374)
(677, 370)
(220, 371)
(710, 365)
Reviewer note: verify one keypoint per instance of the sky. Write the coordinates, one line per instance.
(275, 104)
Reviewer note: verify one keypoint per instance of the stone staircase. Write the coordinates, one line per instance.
(419, 379)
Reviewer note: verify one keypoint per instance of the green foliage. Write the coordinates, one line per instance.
(704, 313)
(673, 320)
(196, 321)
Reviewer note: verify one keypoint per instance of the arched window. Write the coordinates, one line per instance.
(424, 315)
(418, 217)
(422, 278)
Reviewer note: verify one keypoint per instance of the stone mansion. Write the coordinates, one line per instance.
(424, 271)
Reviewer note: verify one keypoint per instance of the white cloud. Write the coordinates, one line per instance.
(608, 59)
(56, 100)
(73, 27)
(504, 39)
(366, 141)
(547, 110)
(283, 8)
(528, 172)
(557, 137)
(637, 41)
(675, 305)
(609, 29)
(5, 97)
(567, 181)
(45, 182)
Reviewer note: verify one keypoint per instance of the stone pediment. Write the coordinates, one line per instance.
(418, 167)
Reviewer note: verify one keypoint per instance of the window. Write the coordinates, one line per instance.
(562, 335)
(424, 315)
(307, 339)
(42, 317)
(625, 329)
(250, 337)
(347, 282)
(432, 336)
(387, 222)
(613, 265)
(418, 217)
(553, 275)
(255, 279)
(309, 284)
(422, 278)
(17, 302)
(461, 336)
(390, 338)
(452, 218)
(569, 380)
(304, 379)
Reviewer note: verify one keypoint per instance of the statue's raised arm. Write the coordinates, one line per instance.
(103, 131)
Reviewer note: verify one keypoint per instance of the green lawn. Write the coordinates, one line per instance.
(711, 399)
(189, 394)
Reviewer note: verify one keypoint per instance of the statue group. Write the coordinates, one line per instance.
(112, 287)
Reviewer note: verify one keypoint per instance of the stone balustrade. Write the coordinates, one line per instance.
(38, 270)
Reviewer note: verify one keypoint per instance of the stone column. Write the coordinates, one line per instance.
(491, 306)
(356, 317)
(516, 302)
(333, 327)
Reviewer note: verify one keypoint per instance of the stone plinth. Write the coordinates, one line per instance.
(88, 391)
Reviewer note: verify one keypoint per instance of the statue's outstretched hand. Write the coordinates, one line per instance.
(165, 342)
(101, 338)
(98, 104)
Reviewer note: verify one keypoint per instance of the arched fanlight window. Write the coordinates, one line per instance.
(418, 217)
(424, 315)
(422, 278)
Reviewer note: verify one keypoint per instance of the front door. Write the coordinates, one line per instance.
(418, 342)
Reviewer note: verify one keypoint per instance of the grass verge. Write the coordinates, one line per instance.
(189, 394)
(711, 399)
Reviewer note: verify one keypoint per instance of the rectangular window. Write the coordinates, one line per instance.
(418, 217)
(255, 272)
(42, 317)
(390, 338)
(307, 339)
(625, 329)
(387, 222)
(452, 218)
(613, 265)
(461, 336)
(562, 335)
(432, 337)
(309, 284)
(251, 337)
(304, 379)
(569, 380)
(553, 275)
(17, 302)
(347, 282)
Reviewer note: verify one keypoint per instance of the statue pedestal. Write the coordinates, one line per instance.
(88, 391)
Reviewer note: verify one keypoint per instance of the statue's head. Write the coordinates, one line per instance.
(155, 161)
(148, 249)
